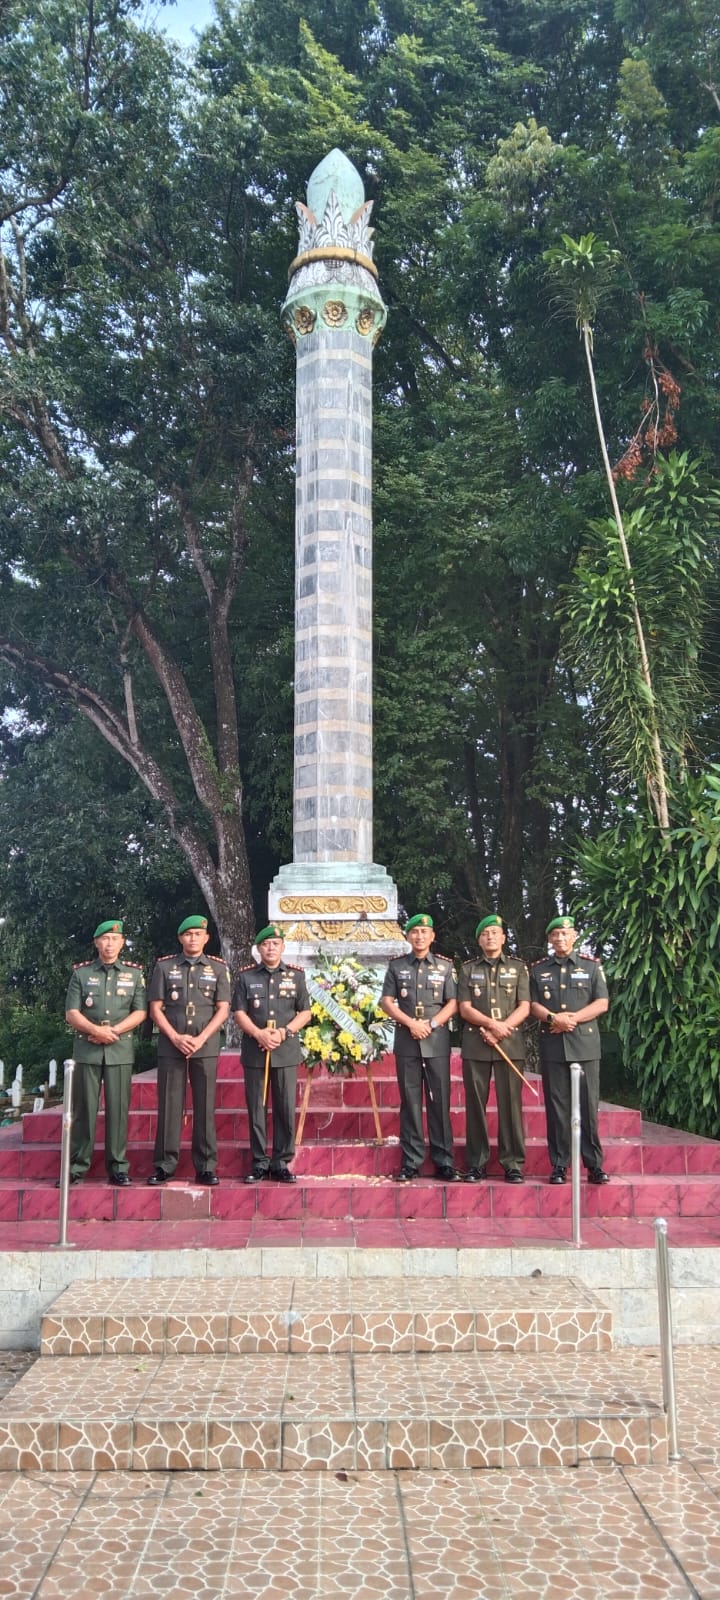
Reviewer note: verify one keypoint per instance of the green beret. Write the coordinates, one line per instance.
(489, 922)
(270, 932)
(107, 927)
(193, 922)
(422, 920)
(560, 922)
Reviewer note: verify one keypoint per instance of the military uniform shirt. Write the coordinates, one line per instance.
(569, 983)
(421, 987)
(106, 994)
(280, 994)
(190, 989)
(495, 988)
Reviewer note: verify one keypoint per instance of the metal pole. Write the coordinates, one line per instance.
(575, 1074)
(63, 1242)
(662, 1263)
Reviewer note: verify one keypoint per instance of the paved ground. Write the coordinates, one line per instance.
(593, 1533)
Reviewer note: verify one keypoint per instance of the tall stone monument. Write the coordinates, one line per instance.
(333, 897)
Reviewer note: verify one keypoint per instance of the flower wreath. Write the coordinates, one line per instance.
(347, 1025)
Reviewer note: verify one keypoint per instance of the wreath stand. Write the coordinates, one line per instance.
(309, 1075)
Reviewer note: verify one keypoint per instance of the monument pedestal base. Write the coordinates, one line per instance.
(336, 909)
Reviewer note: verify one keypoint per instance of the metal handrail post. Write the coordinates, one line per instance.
(662, 1262)
(575, 1075)
(63, 1242)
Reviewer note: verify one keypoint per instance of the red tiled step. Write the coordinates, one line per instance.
(45, 1127)
(357, 1197)
(626, 1158)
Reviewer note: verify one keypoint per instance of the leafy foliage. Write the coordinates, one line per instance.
(657, 912)
(670, 537)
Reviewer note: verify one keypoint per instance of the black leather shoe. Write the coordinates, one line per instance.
(209, 1179)
(514, 1175)
(558, 1175)
(120, 1180)
(283, 1175)
(406, 1175)
(597, 1176)
(475, 1174)
(256, 1175)
(447, 1175)
(75, 1178)
(158, 1176)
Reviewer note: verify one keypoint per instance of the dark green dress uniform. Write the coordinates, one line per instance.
(277, 993)
(105, 994)
(569, 983)
(421, 986)
(495, 988)
(190, 989)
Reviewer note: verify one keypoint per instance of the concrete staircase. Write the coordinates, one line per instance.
(361, 1375)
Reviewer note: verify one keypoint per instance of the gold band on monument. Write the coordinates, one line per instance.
(334, 252)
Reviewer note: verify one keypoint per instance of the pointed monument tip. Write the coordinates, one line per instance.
(335, 173)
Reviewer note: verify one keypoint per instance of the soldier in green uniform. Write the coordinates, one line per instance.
(494, 999)
(419, 996)
(568, 993)
(271, 1005)
(189, 1003)
(104, 1004)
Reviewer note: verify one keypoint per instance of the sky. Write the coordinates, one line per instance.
(184, 19)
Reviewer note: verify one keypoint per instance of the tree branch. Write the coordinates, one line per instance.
(117, 734)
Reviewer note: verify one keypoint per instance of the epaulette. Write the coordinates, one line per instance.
(78, 964)
(137, 964)
(221, 959)
(176, 956)
(252, 966)
(540, 960)
(293, 967)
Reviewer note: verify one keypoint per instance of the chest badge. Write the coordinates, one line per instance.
(89, 1001)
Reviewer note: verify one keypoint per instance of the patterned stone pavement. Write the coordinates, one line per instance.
(597, 1532)
(262, 1316)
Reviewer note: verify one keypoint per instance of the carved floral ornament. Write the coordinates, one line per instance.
(304, 319)
(334, 314)
(324, 905)
(341, 932)
(333, 237)
(365, 321)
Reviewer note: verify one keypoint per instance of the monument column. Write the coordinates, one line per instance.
(334, 896)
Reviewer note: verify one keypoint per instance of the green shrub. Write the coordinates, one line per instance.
(654, 906)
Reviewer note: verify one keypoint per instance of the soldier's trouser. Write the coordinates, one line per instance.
(172, 1077)
(86, 1097)
(508, 1093)
(434, 1072)
(557, 1092)
(283, 1088)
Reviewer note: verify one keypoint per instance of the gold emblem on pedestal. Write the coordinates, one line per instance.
(351, 933)
(328, 905)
